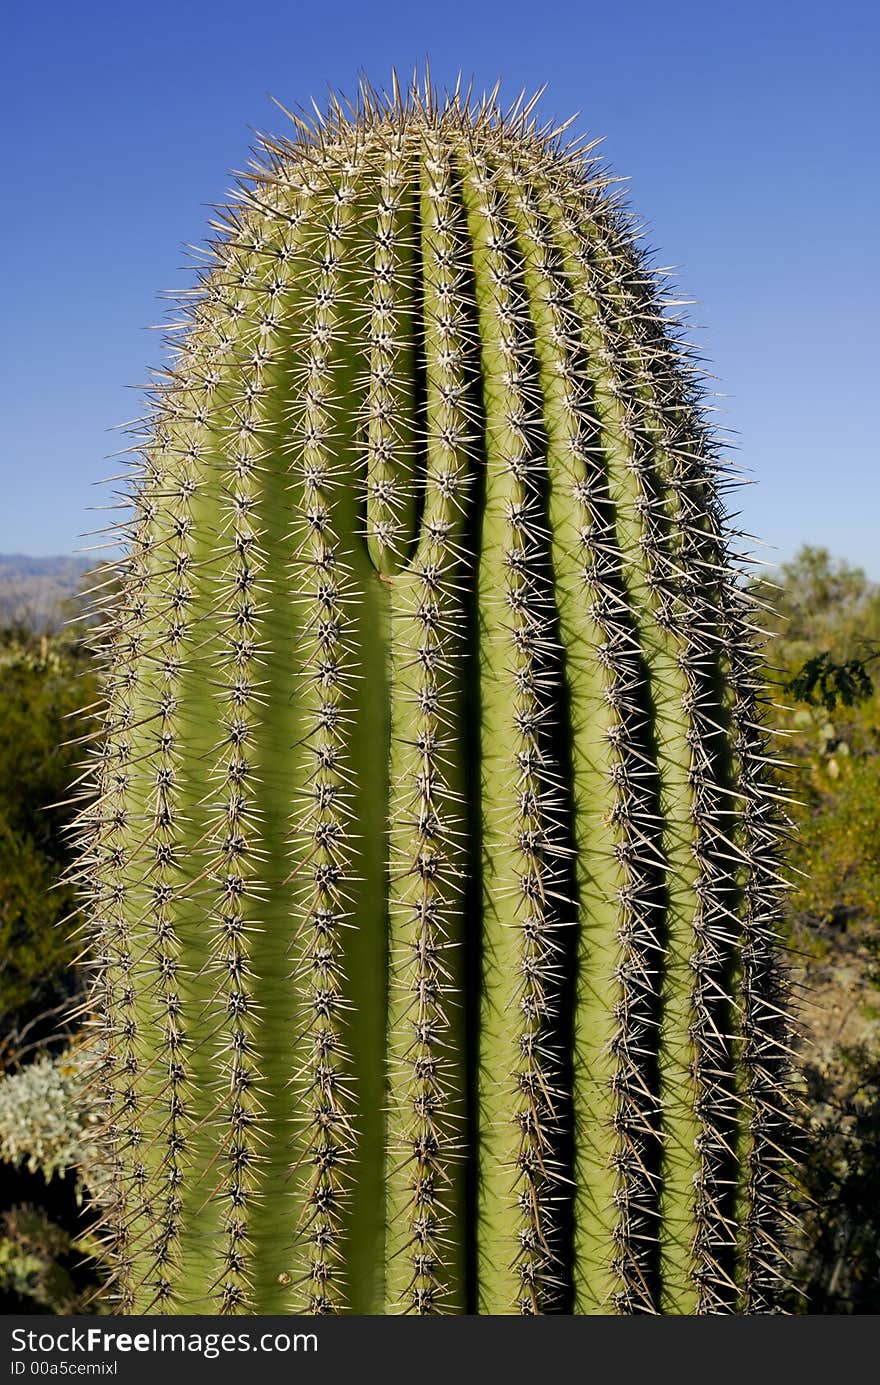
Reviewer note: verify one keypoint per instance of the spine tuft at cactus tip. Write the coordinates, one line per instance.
(431, 845)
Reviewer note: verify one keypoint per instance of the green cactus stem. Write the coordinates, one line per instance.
(431, 847)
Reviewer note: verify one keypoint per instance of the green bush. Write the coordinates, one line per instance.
(45, 682)
(829, 610)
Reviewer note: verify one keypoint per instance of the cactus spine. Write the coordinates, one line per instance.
(433, 858)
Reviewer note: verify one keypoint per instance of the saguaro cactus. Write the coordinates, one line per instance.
(433, 858)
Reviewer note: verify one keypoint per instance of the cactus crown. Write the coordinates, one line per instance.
(432, 862)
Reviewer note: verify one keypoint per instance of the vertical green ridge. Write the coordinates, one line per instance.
(763, 1031)
(322, 664)
(521, 901)
(337, 846)
(234, 918)
(363, 776)
(592, 618)
(133, 931)
(426, 1021)
(241, 962)
(696, 567)
(632, 831)
(166, 1126)
(182, 667)
(636, 505)
(178, 661)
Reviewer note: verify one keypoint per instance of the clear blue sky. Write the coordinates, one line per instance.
(749, 133)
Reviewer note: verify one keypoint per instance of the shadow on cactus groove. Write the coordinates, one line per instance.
(431, 851)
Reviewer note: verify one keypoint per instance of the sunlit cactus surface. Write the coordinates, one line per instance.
(431, 843)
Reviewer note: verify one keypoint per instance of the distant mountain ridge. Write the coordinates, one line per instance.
(33, 590)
